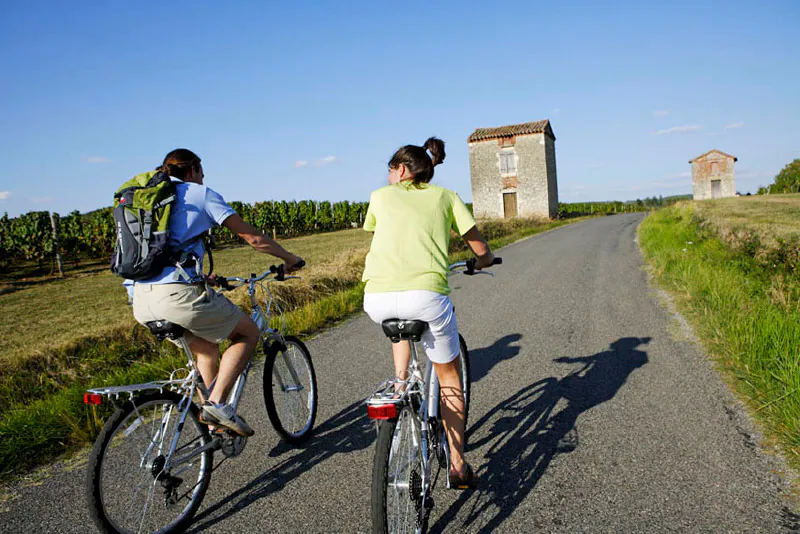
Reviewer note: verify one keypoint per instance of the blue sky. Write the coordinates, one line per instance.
(308, 100)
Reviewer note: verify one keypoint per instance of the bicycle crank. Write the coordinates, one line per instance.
(232, 444)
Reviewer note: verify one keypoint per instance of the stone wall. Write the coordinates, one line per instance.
(713, 166)
(534, 182)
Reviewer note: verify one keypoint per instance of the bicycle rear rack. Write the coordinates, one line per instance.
(113, 393)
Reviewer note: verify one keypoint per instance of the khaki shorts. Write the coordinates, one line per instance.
(203, 313)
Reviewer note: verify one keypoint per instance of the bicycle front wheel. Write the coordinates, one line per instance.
(397, 493)
(290, 391)
(135, 481)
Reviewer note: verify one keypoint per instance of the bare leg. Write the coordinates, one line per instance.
(206, 357)
(402, 355)
(452, 397)
(244, 340)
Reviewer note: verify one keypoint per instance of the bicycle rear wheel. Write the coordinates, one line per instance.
(466, 377)
(397, 476)
(290, 391)
(128, 487)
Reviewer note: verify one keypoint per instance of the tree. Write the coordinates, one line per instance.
(786, 181)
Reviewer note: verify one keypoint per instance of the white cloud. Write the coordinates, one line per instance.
(327, 160)
(689, 128)
(95, 159)
(41, 200)
(734, 125)
(556, 111)
(300, 163)
(4, 195)
(660, 113)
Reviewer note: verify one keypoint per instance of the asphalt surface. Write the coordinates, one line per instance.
(588, 415)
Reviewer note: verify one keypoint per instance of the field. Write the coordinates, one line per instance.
(731, 267)
(63, 336)
(770, 217)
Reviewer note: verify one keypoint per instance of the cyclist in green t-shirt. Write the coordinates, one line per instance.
(406, 273)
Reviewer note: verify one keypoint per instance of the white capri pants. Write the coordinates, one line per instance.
(440, 340)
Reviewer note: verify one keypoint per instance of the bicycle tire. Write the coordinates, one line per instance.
(396, 492)
(466, 376)
(110, 455)
(293, 430)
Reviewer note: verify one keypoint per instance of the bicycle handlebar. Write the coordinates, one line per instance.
(279, 271)
(469, 266)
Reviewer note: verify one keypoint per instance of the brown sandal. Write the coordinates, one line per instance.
(460, 482)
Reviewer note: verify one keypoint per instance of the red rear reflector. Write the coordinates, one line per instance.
(92, 398)
(382, 411)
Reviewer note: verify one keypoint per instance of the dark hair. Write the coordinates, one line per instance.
(179, 162)
(417, 160)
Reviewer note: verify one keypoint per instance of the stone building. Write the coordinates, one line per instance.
(712, 175)
(513, 170)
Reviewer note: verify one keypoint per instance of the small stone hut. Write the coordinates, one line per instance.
(712, 175)
(513, 170)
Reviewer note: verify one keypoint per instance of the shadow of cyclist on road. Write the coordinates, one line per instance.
(347, 431)
(482, 360)
(529, 428)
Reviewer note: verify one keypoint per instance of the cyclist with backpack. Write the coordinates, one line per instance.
(179, 292)
(406, 274)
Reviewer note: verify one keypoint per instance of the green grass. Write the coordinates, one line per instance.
(62, 337)
(744, 309)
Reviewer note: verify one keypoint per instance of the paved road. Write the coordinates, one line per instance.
(587, 417)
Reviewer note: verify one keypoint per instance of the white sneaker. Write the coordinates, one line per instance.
(225, 416)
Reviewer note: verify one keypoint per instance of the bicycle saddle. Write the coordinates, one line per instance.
(165, 329)
(397, 329)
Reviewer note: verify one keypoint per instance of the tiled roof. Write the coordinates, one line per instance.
(713, 150)
(482, 134)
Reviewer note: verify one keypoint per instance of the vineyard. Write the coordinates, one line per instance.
(34, 238)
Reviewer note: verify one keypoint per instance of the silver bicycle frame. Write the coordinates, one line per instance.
(187, 385)
(429, 409)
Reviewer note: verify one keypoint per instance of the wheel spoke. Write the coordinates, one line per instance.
(290, 391)
(132, 473)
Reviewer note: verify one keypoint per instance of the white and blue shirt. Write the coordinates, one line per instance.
(197, 209)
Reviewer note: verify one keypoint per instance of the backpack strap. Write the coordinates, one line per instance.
(185, 258)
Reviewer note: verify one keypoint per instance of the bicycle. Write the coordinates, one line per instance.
(411, 437)
(151, 465)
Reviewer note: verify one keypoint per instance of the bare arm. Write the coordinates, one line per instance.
(260, 241)
(479, 247)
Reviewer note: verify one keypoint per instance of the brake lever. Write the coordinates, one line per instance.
(470, 267)
(280, 275)
(223, 283)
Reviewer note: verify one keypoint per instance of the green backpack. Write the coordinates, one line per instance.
(141, 218)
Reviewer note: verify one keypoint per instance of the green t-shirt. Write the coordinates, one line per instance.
(412, 233)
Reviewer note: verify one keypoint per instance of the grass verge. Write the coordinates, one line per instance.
(744, 307)
(42, 387)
